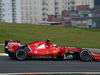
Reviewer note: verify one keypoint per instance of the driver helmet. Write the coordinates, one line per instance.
(48, 42)
(54, 45)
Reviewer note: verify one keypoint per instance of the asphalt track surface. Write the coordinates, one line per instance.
(8, 65)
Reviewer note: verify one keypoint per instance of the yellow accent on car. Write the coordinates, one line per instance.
(55, 52)
(36, 45)
(9, 42)
(66, 50)
(48, 52)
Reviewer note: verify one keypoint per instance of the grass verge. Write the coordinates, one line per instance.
(1, 49)
(65, 36)
(97, 53)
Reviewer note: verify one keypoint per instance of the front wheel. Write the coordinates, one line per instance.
(85, 55)
(20, 54)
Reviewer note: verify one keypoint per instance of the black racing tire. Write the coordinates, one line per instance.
(11, 55)
(60, 57)
(85, 55)
(20, 54)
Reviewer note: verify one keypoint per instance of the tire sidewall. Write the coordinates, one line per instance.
(20, 50)
(89, 53)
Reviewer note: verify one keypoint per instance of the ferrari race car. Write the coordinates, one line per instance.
(44, 49)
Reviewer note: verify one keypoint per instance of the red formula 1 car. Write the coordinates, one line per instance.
(44, 49)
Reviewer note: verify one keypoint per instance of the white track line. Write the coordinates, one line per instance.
(55, 73)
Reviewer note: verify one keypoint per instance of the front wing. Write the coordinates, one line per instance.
(95, 56)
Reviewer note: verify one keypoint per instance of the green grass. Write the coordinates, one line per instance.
(97, 53)
(71, 37)
(1, 49)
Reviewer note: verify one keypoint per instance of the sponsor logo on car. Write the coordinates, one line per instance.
(35, 51)
(36, 45)
(48, 52)
(66, 50)
(55, 52)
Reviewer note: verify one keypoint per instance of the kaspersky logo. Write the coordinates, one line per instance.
(13, 43)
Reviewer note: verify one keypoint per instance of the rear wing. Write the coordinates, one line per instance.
(11, 45)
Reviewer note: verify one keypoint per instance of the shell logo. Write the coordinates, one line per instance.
(66, 50)
(55, 52)
(36, 45)
(48, 52)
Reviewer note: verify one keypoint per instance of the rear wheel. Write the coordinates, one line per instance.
(85, 55)
(20, 54)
